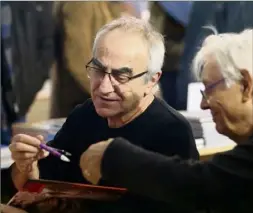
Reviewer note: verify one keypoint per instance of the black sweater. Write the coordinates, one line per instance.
(159, 128)
(223, 184)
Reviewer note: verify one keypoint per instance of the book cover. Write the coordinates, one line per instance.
(55, 196)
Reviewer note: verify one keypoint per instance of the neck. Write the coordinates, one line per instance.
(119, 121)
(244, 136)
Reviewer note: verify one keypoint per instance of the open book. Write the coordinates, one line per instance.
(56, 196)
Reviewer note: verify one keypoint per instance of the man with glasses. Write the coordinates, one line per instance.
(125, 68)
(224, 64)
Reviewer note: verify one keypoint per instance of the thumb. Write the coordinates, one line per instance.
(43, 154)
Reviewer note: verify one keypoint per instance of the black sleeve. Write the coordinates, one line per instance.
(151, 174)
(171, 179)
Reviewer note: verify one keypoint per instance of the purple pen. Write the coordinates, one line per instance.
(54, 152)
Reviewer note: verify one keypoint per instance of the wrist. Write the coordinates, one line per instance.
(19, 178)
(33, 172)
(30, 171)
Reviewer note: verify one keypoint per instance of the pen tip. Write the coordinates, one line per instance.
(64, 158)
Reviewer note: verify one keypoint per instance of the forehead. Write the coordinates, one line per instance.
(119, 49)
(211, 70)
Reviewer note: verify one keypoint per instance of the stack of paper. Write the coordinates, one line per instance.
(6, 159)
(46, 128)
(203, 127)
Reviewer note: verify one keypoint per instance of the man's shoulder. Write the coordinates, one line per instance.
(80, 118)
(173, 131)
(170, 115)
(238, 158)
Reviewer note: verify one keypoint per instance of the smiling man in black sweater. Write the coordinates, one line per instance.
(223, 184)
(122, 105)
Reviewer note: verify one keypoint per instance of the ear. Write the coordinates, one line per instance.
(247, 85)
(152, 82)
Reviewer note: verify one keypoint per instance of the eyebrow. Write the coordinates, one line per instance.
(121, 70)
(97, 63)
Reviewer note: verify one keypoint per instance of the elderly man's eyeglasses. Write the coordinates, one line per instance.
(205, 92)
(96, 70)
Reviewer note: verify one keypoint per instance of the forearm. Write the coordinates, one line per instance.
(151, 174)
(19, 178)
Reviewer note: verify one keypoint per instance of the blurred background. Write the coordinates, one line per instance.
(45, 46)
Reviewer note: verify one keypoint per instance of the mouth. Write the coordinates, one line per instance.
(108, 99)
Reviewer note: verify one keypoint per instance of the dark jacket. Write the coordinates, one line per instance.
(8, 96)
(223, 184)
(32, 49)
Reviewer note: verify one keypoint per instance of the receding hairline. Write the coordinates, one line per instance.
(154, 39)
(128, 35)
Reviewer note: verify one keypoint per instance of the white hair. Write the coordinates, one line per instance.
(155, 40)
(232, 51)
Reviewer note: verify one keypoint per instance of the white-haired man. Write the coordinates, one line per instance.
(126, 66)
(225, 183)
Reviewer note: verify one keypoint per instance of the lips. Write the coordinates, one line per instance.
(108, 99)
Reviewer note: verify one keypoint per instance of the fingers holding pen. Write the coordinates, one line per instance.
(42, 153)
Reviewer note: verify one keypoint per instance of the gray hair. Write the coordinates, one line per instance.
(232, 51)
(154, 40)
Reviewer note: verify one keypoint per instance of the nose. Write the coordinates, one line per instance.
(106, 85)
(204, 104)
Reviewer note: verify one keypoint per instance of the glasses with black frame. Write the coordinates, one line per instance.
(205, 92)
(96, 70)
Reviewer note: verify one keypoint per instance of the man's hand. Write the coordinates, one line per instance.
(90, 161)
(25, 152)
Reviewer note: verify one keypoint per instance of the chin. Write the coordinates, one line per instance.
(106, 113)
(220, 129)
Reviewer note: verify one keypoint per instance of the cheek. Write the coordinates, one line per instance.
(220, 109)
(130, 97)
(94, 89)
(223, 104)
(219, 116)
(131, 102)
(126, 91)
(225, 115)
(134, 93)
(139, 87)
(229, 106)
(94, 85)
